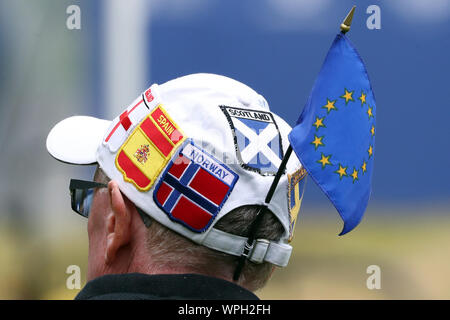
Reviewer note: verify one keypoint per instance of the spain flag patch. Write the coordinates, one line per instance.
(148, 149)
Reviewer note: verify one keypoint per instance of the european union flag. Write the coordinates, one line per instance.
(334, 137)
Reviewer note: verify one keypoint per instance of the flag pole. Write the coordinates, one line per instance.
(251, 235)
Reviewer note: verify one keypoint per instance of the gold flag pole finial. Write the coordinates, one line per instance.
(345, 25)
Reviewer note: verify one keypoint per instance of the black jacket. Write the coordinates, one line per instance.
(137, 286)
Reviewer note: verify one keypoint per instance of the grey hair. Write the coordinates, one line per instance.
(169, 249)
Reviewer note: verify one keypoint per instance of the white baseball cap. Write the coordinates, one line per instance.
(189, 151)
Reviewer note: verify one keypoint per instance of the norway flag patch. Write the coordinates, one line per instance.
(194, 188)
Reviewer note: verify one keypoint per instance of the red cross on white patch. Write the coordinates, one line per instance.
(124, 124)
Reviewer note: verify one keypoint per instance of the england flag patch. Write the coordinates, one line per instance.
(123, 125)
(257, 139)
(194, 188)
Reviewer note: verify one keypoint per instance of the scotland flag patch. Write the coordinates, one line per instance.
(194, 188)
(257, 139)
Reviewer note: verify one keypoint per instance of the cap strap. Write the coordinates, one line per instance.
(262, 249)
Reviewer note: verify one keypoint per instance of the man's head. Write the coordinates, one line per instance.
(119, 242)
(197, 155)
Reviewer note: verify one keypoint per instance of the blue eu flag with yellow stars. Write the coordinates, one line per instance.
(334, 137)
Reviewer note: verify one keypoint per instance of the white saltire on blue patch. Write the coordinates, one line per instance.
(257, 139)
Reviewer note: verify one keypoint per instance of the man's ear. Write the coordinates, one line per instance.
(118, 222)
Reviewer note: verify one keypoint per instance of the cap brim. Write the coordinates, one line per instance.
(75, 140)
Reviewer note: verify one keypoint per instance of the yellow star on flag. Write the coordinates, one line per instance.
(364, 167)
(330, 105)
(362, 98)
(369, 112)
(354, 174)
(372, 130)
(325, 160)
(342, 171)
(317, 141)
(319, 123)
(347, 96)
(370, 151)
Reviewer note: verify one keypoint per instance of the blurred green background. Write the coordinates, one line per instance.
(413, 257)
(49, 72)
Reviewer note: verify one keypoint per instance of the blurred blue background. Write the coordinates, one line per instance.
(49, 72)
(277, 47)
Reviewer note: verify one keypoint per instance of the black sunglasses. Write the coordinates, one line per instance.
(82, 193)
